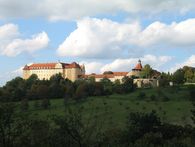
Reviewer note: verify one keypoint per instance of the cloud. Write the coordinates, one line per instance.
(126, 64)
(103, 38)
(98, 38)
(74, 9)
(12, 45)
(92, 67)
(188, 62)
(4, 77)
(174, 35)
(8, 31)
(7, 76)
(17, 46)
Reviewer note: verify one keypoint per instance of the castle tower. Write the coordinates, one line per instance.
(136, 70)
(83, 69)
(138, 67)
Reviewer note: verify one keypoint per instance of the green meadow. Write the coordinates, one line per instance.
(113, 110)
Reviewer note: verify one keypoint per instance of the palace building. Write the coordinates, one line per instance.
(113, 76)
(45, 70)
(135, 73)
(74, 71)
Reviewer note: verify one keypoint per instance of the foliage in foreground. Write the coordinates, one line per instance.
(72, 129)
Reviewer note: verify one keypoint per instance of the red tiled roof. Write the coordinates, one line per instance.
(138, 66)
(72, 65)
(40, 66)
(120, 73)
(99, 76)
(50, 66)
(26, 67)
(106, 75)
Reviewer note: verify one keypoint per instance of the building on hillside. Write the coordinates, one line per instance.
(45, 70)
(75, 71)
(135, 73)
(112, 76)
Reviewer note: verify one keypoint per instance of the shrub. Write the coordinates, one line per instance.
(24, 105)
(141, 95)
(165, 98)
(37, 104)
(45, 103)
(152, 97)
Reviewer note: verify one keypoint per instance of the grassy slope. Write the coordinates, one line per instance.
(113, 110)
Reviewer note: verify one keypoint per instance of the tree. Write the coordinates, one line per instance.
(57, 86)
(107, 86)
(43, 91)
(73, 130)
(57, 78)
(127, 85)
(189, 74)
(99, 89)
(142, 123)
(178, 77)
(81, 92)
(164, 79)
(7, 131)
(16, 89)
(45, 104)
(117, 87)
(193, 80)
(32, 93)
(146, 71)
(69, 93)
(31, 80)
(193, 112)
(24, 104)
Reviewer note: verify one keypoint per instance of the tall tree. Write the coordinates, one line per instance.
(178, 76)
(146, 71)
(189, 74)
(127, 85)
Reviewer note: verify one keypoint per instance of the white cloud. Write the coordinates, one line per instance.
(17, 72)
(92, 67)
(7, 76)
(17, 46)
(103, 38)
(126, 64)
(98, 38)
(174, 35)
(65, 9)
(8, 31)
(4, 77)
(12, 45)
(188, 62)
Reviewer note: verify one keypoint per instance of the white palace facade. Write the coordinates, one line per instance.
(74, 71)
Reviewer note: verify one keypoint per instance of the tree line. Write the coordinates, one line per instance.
(58, 87)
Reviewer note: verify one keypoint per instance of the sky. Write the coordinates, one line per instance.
(102, 34)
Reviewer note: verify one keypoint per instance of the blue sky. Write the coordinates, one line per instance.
(104, 35)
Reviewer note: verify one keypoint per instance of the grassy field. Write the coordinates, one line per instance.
(113, 110)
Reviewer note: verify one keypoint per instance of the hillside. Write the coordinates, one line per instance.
(113, 110)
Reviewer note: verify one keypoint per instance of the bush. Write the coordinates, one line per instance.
(141, 95)
(81, 92)
(45, 103)
(24, 105)
(152, 97)
(37, 104)
(165, 98)
(191, 90)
